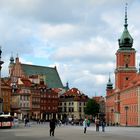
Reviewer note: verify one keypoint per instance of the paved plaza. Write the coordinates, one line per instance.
(41, 132)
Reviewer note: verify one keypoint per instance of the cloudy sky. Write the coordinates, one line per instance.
(80, 37)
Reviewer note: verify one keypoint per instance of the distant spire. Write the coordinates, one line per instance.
(109, 84)
(17, 59)
(67, 86)
(11, 58)
(125, 24)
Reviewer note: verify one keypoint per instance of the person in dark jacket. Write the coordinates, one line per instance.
(103, 123)
(52, 126)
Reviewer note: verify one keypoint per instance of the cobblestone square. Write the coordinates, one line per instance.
(41, 132)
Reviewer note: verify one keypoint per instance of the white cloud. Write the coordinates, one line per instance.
(96, 50)
(48, 31)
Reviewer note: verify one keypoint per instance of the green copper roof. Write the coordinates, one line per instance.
(50, 75)
(126, 40)
(109, 84)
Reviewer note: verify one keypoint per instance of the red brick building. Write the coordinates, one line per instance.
(123, 102)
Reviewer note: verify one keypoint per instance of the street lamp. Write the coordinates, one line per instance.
(126, 109)
(1, 100)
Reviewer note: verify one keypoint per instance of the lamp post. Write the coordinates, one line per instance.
(1, 100)
(126, 109)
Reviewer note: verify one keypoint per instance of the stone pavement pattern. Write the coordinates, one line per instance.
(41, 132)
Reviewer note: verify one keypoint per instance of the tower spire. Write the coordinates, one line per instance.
(11, 58)
(109, 84)
(126, 41)
(125, 24)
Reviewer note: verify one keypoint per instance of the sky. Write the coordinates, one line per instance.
(79, 37)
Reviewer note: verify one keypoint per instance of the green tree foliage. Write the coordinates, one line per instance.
(92, 108)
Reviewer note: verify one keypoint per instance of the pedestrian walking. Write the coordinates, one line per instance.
(52, 126)
(85, 125)
(103, 124)
(25, 121)
(97, 123)
(28, 122)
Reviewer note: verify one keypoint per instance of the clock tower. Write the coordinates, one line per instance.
(125, 58)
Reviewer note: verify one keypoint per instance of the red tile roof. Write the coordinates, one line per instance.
(73, 92)
(76, 94)
(26, 82)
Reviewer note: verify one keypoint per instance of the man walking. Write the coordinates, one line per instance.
(103, 123)
(52, 127)
(85, 125)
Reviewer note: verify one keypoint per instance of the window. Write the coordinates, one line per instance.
(79, 109)
(65, 110)
(126, 65)
(72, 109)
(126, 78)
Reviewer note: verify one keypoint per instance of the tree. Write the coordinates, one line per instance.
(92, 108)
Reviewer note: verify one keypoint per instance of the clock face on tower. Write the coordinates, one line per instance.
(126, 59)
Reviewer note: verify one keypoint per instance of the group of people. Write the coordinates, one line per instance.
(98, 123)
(86, 123)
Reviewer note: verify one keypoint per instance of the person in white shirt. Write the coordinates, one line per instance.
(85, 125)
